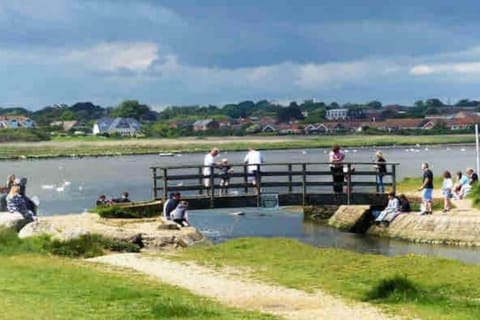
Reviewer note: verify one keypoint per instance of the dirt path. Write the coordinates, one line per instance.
(232, 290)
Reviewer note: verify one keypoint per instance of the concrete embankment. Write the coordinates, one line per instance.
(451, 229)
(150, 233)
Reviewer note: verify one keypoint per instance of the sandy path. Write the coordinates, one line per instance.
(230, 289)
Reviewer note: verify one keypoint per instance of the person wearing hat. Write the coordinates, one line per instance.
(171, 204)
(381, 169)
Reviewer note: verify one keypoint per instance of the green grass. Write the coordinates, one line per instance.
(410, 285)
(95, 146)
(41, 287)
(36, 285)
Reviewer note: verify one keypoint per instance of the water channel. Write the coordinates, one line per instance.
(71, 185)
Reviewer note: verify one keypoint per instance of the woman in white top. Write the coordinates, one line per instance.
(447, 190)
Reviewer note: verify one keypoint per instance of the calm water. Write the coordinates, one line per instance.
(72, 186)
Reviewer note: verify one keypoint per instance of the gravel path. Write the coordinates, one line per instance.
(232, 290)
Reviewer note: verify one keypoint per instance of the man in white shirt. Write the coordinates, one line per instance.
(208, 164)
(253, 158)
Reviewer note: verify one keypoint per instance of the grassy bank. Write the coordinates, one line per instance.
(35, 285)
(96, 146)
(427, 287)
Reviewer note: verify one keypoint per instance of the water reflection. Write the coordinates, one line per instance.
(220, 225)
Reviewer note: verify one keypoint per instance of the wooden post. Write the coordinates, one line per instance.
(394, 179)
(258, 183)
(165, 184)
(304, 183)
(154, 183)
(212, 187)
(200, 179)
(290, 178)
(245, 178)
(349, 182)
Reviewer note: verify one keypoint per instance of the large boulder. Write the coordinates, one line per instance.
(38, 228)
(10, 220)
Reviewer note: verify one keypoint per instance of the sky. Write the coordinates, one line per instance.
(189, 52)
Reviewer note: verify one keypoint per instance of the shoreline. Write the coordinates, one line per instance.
(130, 147)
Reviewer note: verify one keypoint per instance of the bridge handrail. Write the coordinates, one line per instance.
(295, 176)
(275, 164)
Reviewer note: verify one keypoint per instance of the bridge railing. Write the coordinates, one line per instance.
(304, 178)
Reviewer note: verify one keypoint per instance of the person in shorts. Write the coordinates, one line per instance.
(427, 188)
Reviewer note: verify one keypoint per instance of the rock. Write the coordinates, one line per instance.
(169, 225)
(347, 217)
(71, 234)
(10, 220)
(38, 228)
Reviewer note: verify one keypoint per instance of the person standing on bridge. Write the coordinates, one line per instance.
(336, 157)
(254, 159)
(208, 165)
(381, 169)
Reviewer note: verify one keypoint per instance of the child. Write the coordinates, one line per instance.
(180, 215)
(447, 187)
(225, 174)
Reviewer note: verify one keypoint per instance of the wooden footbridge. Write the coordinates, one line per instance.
(280, 184)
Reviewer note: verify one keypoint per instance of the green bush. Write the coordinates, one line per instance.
(129, 211)
(89, 245)
(85, 246)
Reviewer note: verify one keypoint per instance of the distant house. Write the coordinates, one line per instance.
(7, 121)
(204, 125)
(122, 126)
(337, 114)
(65, 125)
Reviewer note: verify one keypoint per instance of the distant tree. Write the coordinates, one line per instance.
(374, 104)
(292, 112)
(467, 103)
(419, 104)
(334, 105)
(433, 103)
(133, 109)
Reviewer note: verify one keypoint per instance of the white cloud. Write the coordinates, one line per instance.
(116, 56)
(446, 68)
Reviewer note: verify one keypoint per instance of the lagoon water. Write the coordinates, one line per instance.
(71, 185)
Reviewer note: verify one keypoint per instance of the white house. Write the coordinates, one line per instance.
(337, 114)
(122, 126)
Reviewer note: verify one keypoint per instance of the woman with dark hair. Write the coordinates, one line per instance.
(381, 168)
(336, 157)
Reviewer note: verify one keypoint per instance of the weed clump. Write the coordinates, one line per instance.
(397, 288)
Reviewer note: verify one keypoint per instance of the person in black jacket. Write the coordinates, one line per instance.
(381, 168)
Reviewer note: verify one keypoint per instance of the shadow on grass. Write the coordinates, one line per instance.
(396, 289)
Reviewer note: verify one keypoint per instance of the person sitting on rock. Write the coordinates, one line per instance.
(123, 198)
(404, 204)
(392, 208)
(180, 215)
(171, 204)
(17, 203)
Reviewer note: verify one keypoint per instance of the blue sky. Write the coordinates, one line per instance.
(215, 52)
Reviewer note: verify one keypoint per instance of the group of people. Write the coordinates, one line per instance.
(341, 173)
(175, 209)
(459, 188)
(254, 159)
(103, 201)
(15, 198)
(395, 206)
